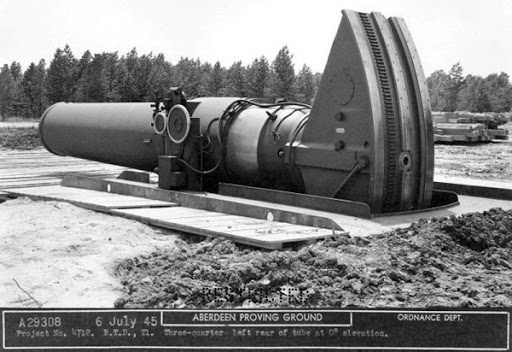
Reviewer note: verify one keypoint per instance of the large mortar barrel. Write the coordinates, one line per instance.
(113, 133)
(122, 134)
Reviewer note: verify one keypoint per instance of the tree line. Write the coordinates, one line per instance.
(453, 91)
(106, 77)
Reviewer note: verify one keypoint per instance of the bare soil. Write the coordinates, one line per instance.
(491, 161)
(54, 254)
(453, 262)
(57, 255)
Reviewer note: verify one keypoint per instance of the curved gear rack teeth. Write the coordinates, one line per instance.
(387, 118)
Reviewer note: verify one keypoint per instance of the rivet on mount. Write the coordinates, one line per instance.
(339, 116)
(339, 145)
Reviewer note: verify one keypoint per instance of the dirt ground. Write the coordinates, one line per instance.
(450, 262)
(54, 254)
(491, 161)
(62, 256)
(57, 255)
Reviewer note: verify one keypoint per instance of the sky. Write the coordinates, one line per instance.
(476, 33)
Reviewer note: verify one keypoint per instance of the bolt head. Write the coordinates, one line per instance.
(339, 116)
(339, 145)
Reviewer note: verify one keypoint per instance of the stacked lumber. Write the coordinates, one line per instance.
(463, 126)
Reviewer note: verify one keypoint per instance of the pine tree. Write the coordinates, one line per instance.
(141, 73)
(126, 88)
(258, 78)
(305, 85)
(159, 78)
(283, 75)
(89, 86)
(30, 89)
(33, 88)
(16, 71)
(7, 91)
(455, 84)
(81, 72)
(18, 106)
(132, 77)
(186, 75)
(109, 79)
(41, 79)
(81, 76)
(83, 63)
(61, 76)
(235, 80)
(98, 78)
(216, 80)
(205, 77)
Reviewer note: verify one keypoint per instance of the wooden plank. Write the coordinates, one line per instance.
(168, 224)
(240, 229)
(30, 183)
(282, 233)
(250, 230)
(90, 199)
(443, 138)
(285, 238)
(178, 215)
(90, 206)
(39, 167)
(173, 213)
(207, 201)
(100, 198)
(227, 220)
(260, 233)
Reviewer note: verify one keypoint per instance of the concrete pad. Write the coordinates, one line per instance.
(468, 204)
(473, 182)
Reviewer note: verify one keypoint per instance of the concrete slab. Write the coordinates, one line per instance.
(473, 182)
(468, 204)
(474, 187)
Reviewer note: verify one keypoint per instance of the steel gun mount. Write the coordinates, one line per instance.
(367, 139)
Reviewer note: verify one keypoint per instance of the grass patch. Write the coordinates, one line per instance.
(20, 138)
(22, 119)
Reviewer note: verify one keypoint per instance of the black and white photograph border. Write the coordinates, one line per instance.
(136, 172)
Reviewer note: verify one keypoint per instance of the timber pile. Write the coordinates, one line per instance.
(465, 126)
